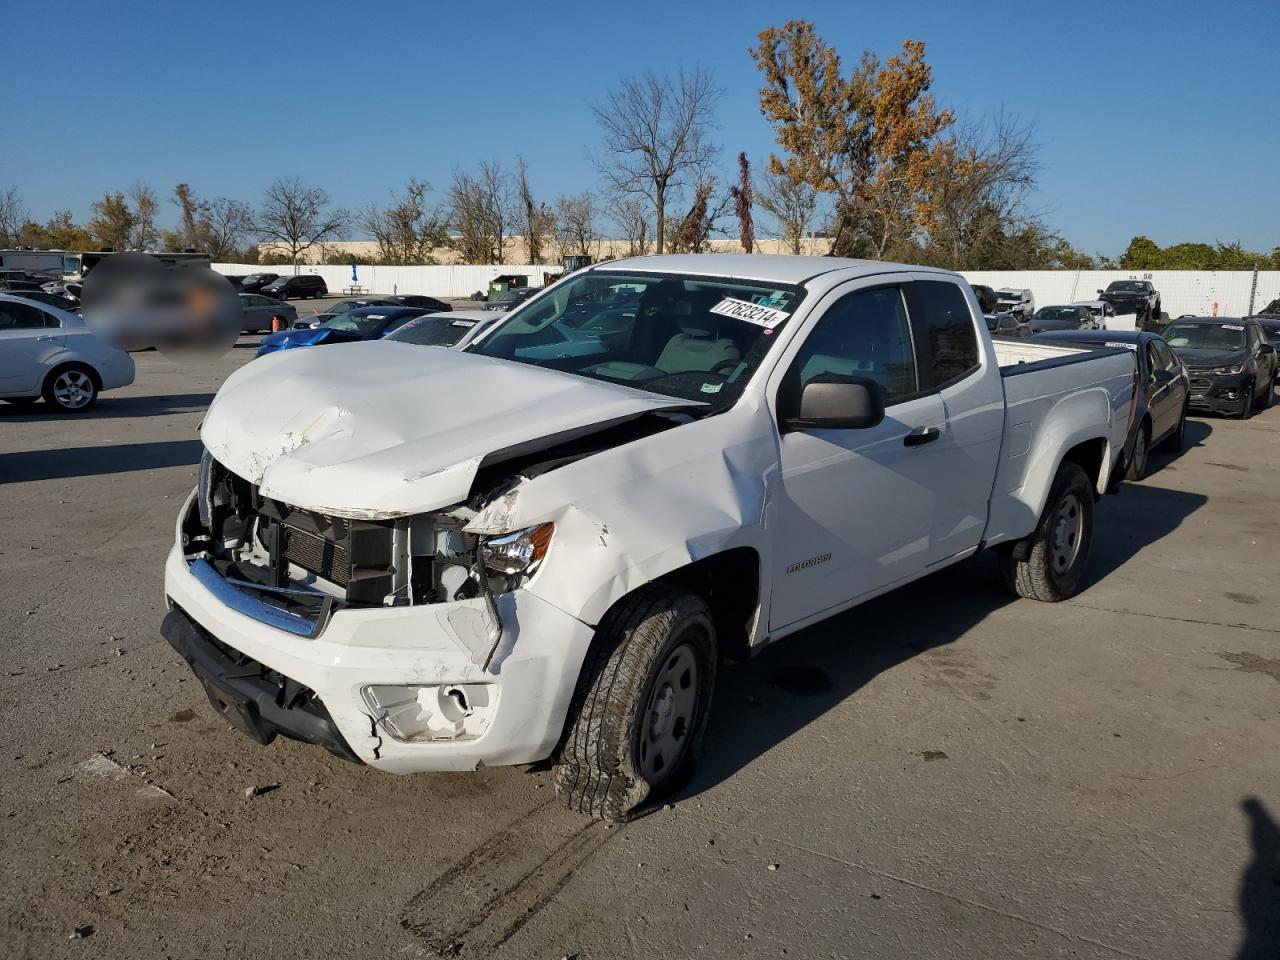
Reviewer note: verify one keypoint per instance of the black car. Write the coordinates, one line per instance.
(235, 279)
(1271, 330)
(1138, 297)
(301, 286)
(52, 299)
(418, 300)
(254, 282)
(1231, 363)
(1160, 417)
(1072, 316)
(1272, 309)
(511, 299)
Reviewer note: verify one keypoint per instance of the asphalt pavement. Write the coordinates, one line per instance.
(943, 772)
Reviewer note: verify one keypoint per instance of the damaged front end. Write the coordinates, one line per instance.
(295, 567)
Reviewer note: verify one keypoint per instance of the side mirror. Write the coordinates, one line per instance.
(1163, 376)
(1267, 349)
(834, 402)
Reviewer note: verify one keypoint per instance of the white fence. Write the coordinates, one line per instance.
(1200, 292)
(454, 282)
(1204, 292)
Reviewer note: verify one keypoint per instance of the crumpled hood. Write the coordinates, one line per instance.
(382, 429)
(1200, 357)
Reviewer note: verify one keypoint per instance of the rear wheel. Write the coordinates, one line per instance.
(1056, 553)
(70, 389)
(1174, 442)
(1141, 452)
(641, 703)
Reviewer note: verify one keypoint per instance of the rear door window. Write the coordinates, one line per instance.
(946, 341)
(19, 316)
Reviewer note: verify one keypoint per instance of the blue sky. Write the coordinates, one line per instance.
(1154, 118)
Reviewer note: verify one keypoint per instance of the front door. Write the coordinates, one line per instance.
(853, 509)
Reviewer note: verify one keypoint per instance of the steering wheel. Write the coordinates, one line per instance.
(725, 367)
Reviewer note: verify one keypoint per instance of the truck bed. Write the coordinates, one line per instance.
(1051, 392)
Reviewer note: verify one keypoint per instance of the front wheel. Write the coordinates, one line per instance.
(1054, 556)
(1246, 407)
(641, 703)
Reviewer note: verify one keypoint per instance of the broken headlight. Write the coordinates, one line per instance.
(516, 555)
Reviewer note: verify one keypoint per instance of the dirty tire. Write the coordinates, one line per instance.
(1040, 576)
(1137, 468)
(599, 771)
(1175, 441)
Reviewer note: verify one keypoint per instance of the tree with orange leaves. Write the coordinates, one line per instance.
(871, 138)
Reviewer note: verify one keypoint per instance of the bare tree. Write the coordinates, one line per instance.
(13, 216)
(480, 213)
(793, 205)
(298, 217)
(534, 220)
(657, 136)
(409, 229)
(575, 225)
(227, 226)
(631, 214)
(144, 232)
(980, 189)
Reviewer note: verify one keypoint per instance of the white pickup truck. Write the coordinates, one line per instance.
(541, 547)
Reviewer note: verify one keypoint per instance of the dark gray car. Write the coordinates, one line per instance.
(258, 313)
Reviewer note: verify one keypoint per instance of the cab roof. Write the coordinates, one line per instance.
(776, 268)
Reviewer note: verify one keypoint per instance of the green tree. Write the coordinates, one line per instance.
(59, 233)
(113, 222)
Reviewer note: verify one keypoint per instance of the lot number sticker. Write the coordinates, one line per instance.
(766, 317)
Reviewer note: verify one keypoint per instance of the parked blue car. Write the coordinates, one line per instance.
(366, 323)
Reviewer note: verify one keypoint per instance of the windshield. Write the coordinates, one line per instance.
(690, 337)
(433, 331)
(354, 323)
(1060, 313)
(1126, 286)
(1205, 336)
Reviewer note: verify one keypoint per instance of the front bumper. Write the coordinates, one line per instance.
(541, 650)
(1218, 394)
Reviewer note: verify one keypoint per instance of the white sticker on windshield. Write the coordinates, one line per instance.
(711, 387)
(766, 317)
(1122, 346)
(1232, 326)
(463, 323)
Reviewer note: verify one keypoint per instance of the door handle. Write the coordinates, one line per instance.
(920, 436)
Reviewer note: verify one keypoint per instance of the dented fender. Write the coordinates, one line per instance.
(630, 515)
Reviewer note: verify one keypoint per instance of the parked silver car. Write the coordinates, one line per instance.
(51, 353)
